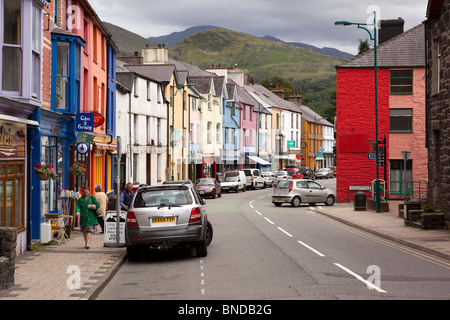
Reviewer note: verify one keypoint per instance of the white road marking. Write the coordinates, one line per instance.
(287, 233)
(357, 276)
(269, 220)
(312, 249)
(258, 212)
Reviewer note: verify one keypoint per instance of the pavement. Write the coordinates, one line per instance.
(70, 272)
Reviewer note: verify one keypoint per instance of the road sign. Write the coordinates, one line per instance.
(371, 156)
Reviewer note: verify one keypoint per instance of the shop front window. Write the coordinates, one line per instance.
(52, 153)
(12, 195)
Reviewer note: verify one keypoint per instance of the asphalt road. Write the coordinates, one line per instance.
(263, 252)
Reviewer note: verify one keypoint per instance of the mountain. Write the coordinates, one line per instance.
(171, 40)
(311, 73)
(325, 50)
(263, 58)
(127, 41)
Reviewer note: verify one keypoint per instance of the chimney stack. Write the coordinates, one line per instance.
(390, 29)
(158, 55)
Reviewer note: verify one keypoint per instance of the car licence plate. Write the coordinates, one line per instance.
(163, 220)
(278, 199)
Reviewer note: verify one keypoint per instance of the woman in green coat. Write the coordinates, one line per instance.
(86, 207)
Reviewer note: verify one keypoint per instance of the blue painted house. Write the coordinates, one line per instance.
(231, 128)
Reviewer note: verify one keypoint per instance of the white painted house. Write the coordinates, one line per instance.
(142, 125)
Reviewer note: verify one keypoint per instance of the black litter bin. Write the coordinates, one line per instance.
(360, 201)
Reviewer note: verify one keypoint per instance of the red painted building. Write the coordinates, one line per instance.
(401, 108)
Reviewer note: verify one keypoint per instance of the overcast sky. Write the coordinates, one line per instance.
(308, 21)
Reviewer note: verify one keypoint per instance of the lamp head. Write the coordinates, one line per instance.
(343, 23)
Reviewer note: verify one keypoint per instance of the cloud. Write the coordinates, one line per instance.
(309, 21)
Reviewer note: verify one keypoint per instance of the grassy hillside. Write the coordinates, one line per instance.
(263, 58)
(127, 42)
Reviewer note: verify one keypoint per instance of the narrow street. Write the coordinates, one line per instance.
(261, 252)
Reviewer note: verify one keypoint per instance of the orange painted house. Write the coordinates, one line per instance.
(401, 117)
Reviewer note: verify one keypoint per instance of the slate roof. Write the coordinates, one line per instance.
(404, 50)
(309, 115)
(159, 72)
(271, 98)
(202, 84)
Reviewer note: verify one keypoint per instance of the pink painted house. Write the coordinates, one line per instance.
(401, 117)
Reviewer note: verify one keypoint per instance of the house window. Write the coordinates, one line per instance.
(401, 81)
(208, 132)
(36, 53)
(400, 120)
(12, 45)
(66, 71)
(218, 133)
(436, 66)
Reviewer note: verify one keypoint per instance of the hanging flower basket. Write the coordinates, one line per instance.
(78, 169)
(45, 172)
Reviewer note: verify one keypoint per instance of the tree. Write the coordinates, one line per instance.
(278, 83)
(363, 46)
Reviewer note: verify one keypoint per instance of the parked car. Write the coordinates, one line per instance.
(333, 168)
(234, 181)
(306, 172)
(296, 192)
(269, 177)
(254, 178)
(324, 173)
(166, 216)
(208, 187)
(187, 181)
(281, 175)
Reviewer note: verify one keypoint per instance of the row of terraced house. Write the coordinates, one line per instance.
(65, 100)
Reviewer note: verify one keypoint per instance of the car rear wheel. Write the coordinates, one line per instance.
(209, 233)
(296, 202)
(201, 249)
(330, 200)
(133, 253)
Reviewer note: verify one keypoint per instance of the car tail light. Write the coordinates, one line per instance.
(131, 219)
(290, 188)
(196, 215)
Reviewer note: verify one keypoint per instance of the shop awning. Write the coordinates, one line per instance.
(259, 160)
(92, 137)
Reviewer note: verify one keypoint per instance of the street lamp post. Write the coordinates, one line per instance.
(373, 37)
(174, 93)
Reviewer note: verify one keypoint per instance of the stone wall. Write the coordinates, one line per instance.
(437, 36)
(8, 241)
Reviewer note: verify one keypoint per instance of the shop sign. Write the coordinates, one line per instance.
(84, 122)
(110, 234)
(99, 119)
(12, 140)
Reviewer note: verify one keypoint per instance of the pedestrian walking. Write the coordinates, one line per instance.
(126, 196)
(86, 207)
(102, 199)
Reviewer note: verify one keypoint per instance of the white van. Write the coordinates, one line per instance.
(234, 181)
(254, 179)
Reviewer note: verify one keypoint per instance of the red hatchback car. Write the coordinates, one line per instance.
(208, 187)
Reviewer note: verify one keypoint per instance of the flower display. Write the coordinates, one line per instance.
(45, 172)
(78, 169)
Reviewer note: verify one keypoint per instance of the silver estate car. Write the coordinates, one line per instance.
(300, 191)
(162, 217)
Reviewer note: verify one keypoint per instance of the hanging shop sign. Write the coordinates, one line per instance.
(82, 148)
(84, 122)
(99, 119)
(12, 140)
